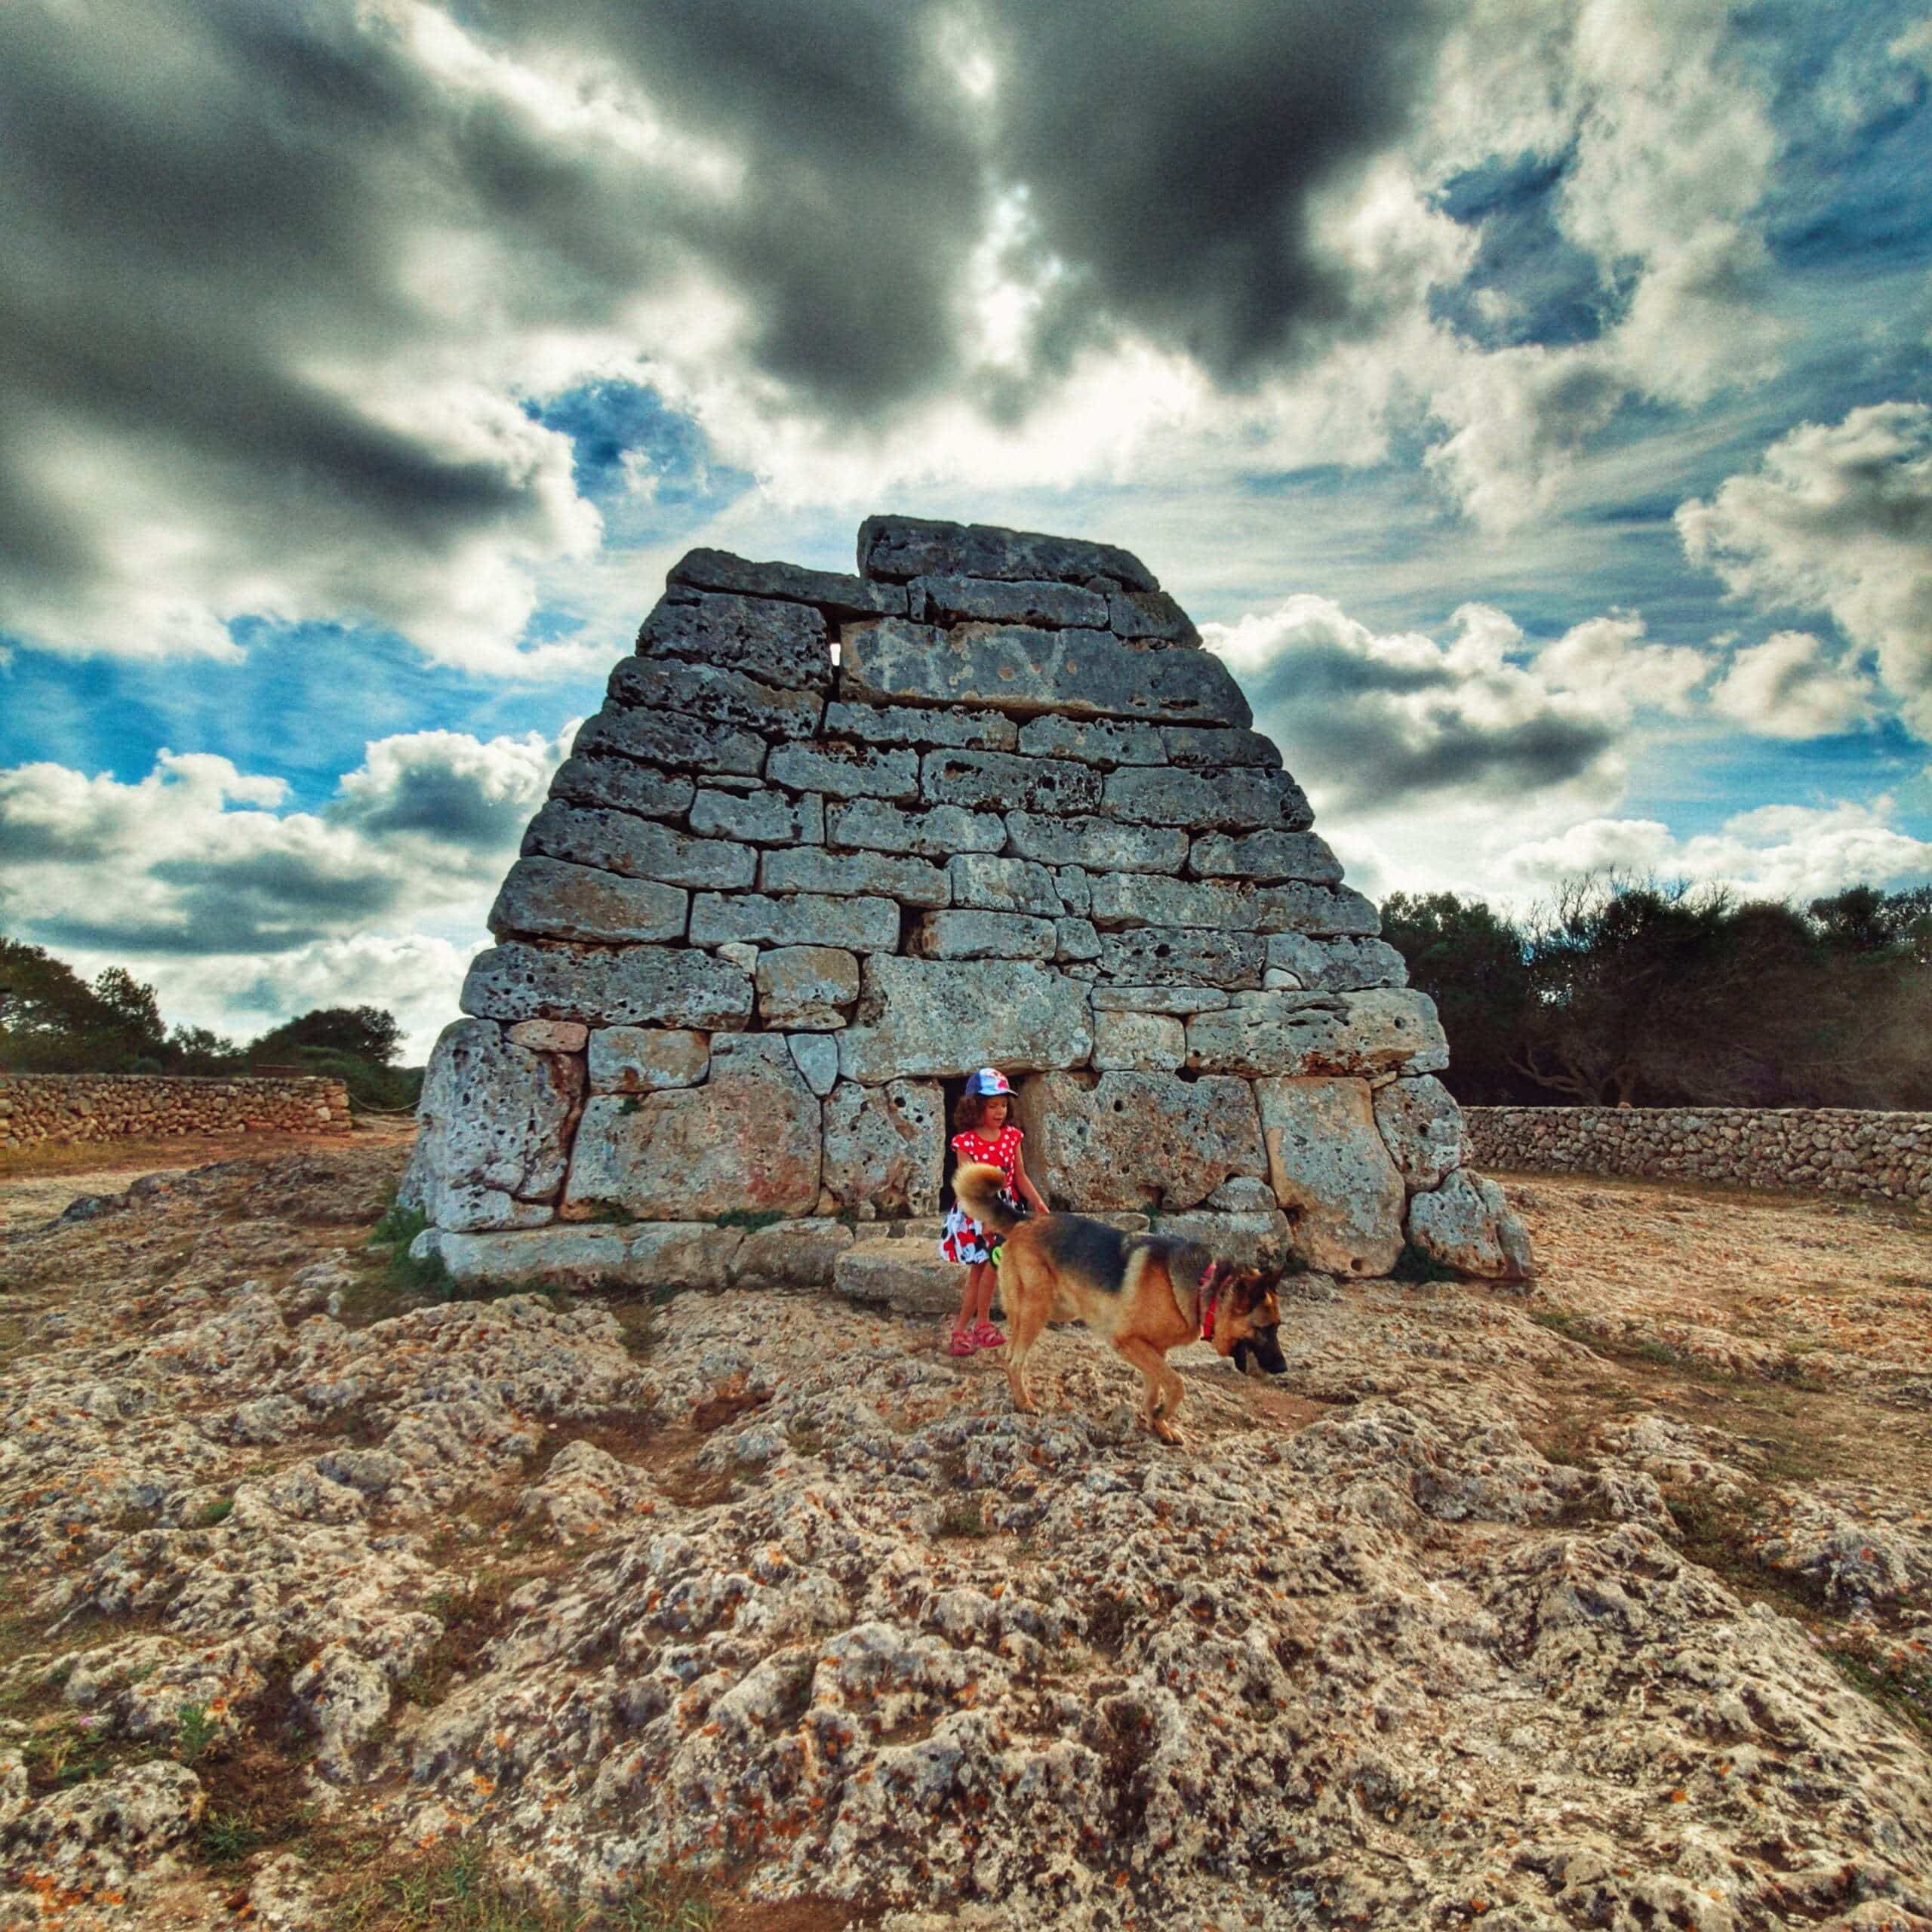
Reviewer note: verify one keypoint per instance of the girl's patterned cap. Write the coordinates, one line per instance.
(988, 1080)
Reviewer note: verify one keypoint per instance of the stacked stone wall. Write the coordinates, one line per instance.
(34, 1107)
(1837, 1150)
(832, 842)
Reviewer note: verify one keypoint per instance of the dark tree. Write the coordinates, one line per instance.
(357, 1032)
(1469, 959)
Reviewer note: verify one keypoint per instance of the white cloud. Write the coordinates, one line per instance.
(1790, 687)
(1602, 658)
(1838, 517)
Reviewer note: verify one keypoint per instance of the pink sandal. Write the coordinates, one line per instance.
(961, 1343)
(985, 1335)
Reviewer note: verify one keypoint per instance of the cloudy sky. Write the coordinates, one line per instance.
(1531, 401)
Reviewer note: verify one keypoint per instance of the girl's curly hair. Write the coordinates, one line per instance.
(969, 1109)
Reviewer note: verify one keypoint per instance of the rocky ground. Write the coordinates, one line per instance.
(332, 1604)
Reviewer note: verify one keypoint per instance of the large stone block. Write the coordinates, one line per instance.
(1266, 857)
(783, 643)
(1138, 1141)
(1074, 939)
(791, 1254)
(998, 780)
(812, 869)
(1342, 964)
(1199, 748)
(1322, 911)
(1151, 618)
(555, 900)
(1466, 1224)
(1085, 673)
(640, 986)
(645, 1060)
(1256, 1238)
(859, 925)
(624, 785)
(952, 600)
(1181, 955)
(1357, 1035)
(1332, 1175)
(1097, 844)
(710, 691)
(1422, 1126)
(909, 1275)
(815, 1056)
(836, 594)
(934, 1018)
(1240, 800)
(668, 738)
(1103, 741)
(494, 1117)
(846, 771)
(759, 818)
(973, 935)
(746, 1141)
(1139, 1042)
(875, 825)
(806, 988)
(1145, 898)
(920, 724)
(1159, 999)
(901, 548)
(575, 1260)
(884, 1147)
(1004, 885)
(638, 847)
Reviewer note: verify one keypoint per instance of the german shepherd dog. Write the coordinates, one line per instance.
(1147, 1293)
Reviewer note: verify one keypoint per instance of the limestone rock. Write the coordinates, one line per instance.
(1076, 887)
(759, 818)
(791, 1254)
(1467, 1225)
(994, 780)
(921, 1018)
(1103, 741)
(846, 771)
(1074, 939)
(974, 935)
(639, 848)
(1240, 800)
(1003, 885)
(1158, 999)
(951, 600)
(494, 1116)
(549, 1036)
(710, 691)
(857, 925)
(901, 548)
(1266, 857)
(922, 725)
(641, 986)
(909, 1275)
(806, 988)
(1203, 748)
(1097, 844)
(938, 833)
(1422, 1126)
(1344, 963)
(746, 1140)
(816, 1058)
(1085, 673)
(1258, 1238)
(551, 900)
(1138, 1042)
(1151, 617)
(1176, 955)
(681, 1255)
(625, 786)
(1360, 1035)
(783, 643)
(836, 594)
(667, 737)
(812, 869)
(884, 1146)
(1332, 1175)
(1140, 1140)
(576, 1260)
(1325, 910)
(645, 1060)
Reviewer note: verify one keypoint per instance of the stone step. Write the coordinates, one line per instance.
(908, 1275)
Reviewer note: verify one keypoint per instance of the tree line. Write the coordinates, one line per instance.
(1631, 991)
(53, 1021)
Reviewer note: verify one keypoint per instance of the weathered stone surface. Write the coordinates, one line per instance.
(872, 824)
(681, 1255)
(1341, 965)
(638, 848)
(493, 1118)
(549, 1036)
(746, 1140)
(625, 785)
(901, 548)
(1256, 1238)
(1182, 955)
(812, 869)
(1138, 1141)
(908, 1275)
(1151, 617)
(791, 1254)
(1158, 999)
(645, 1060)
(1197, 748)
(1138, 1042)
(1003, 885)
(1073, 939)
(783, 643)
(667, 737)
(837, 594)
(556, 900)
(1204, 801)
(1146, 899)
(1075, 889)
(1244, 1195)
(458, 1205)
(710, 691)
(951, 600)
(923, 1018)
(920, 724)
(1322, 911)
(742, 954)
(859, 925)
(1104, 741)
(582, 1260)
(885, 1145)
(640, 986)
(1359, 1034)
(1422, 1126)
(1467, 1225)
(1332, 1175)
(806, 988)
(1087, 673)
(846, 771)
(815, 1056)
(759, 818)
(1098, 844)
(1000, 780)
(976, 935)
(1266, 857)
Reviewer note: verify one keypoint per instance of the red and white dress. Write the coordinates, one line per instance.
(965, 1240)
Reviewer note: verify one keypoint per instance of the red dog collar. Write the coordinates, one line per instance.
(1210, 1300)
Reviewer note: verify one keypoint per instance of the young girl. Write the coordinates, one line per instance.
(983, 1134)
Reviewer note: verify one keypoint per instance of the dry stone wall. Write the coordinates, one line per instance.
(1839, 1150)
(834, 841)
(35, 1107)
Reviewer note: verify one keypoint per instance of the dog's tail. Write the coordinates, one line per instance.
(976, 1187)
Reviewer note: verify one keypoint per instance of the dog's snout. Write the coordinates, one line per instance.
(1268, 1350)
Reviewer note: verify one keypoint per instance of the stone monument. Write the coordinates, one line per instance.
(833, 842)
